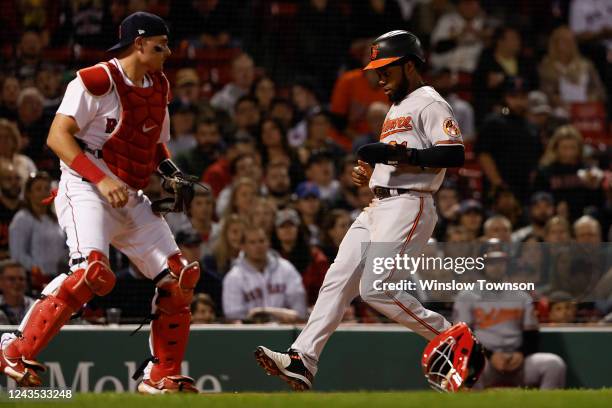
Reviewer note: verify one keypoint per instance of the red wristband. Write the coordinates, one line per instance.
(86, 168)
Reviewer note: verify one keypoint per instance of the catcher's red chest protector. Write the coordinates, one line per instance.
(130, 151)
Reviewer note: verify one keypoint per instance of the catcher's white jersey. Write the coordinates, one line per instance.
(422, 120)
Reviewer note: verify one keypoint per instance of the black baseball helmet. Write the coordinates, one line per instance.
(394, 45)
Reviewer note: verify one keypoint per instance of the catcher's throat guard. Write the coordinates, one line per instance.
(453, 360)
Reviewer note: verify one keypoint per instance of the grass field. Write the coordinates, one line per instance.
(488, 399)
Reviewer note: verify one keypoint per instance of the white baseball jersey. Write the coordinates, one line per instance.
(279, 285)
(97, 117)
(421, 120)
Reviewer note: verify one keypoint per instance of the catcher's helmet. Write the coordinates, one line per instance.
(392, 46)
(453, 359)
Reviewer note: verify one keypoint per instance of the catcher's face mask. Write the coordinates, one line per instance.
(453, 359)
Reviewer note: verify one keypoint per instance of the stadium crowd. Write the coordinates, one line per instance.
(269, 106)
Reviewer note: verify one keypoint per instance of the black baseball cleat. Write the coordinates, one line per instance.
(288, 365)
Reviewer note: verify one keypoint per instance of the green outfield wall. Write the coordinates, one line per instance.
(220, 358)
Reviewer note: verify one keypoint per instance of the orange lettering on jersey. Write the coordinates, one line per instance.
(487, 318)
(396, 125)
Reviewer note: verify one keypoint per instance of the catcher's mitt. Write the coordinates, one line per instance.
(181, 187)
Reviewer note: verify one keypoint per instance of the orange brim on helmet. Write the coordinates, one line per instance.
(379, 63)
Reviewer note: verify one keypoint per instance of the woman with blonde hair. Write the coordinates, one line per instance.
(10, 141)
(565, 75)
(244, 192)
(564, 173)
(225, 251)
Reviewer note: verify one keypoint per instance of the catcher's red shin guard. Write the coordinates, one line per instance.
(49, 314)
(170, 328)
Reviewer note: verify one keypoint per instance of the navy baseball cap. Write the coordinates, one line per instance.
(139, 24)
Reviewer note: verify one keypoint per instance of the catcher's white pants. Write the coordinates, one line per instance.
(90, 222)
(406, 223)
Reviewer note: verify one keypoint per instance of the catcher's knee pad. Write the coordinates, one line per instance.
(61, 298)
(170, 327)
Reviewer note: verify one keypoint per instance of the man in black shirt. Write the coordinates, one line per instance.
(10, 188)
(508, 147)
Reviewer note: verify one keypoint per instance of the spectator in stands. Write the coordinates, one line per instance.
(309, 207)
(10, 203)
(497, 227)
(49, 82)
(34, 126)
(371, 18)
(377, 112)
(320, 170)
(541, 209)
(364, 198)
(187, 86)
(263, 214)
(561, 308)
(84, 21)
(471, 216)
(540, 114)
(447, 205)
(305, 98)
(282, 110)
(243, 74)
(557, 230)
(502, 140)
(566, 76)
(246, 117)
(495, 66)
(245, 166)
(459, 36)
(14, 303)
(264, 91)
(445, 82)
(8, 101)
(29, 57)
(319, 140)
(36, 240)
(260, 278)
(564, 173)
(334, 227)
(10, 142)
(243, 193)
(203, 309)
(189, 243)
(587, 230)
(506, 325)
(353, 93)
(278, 183)
(218, 175)
(182, 123)
(201, 212)
(290, 240)
(273, 146)
(590, 20)
(207, 150)
(321, 41)
(347, 194)
(203, 23)
(506, 204)
(225, 251)
(425, 16)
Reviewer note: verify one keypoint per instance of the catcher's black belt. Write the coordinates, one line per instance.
(95, 152)
(385, 192)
